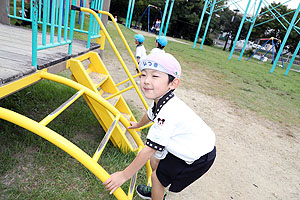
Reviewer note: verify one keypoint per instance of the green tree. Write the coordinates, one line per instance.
(184, 20)
(119, 8)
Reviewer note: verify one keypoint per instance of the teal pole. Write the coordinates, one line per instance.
(52, 21)
(169, 16)
(66, 20)
(200, 23)
(34, 4)
(60, 21)
(91, 25)
(72, 24)
(82, 18)
(15, 6)
(208, 21)
(97, 26)
(44, 22)
(164, 16)
(128, 12)
(292, 60)
(56, 12)
(131, 13)
(239, 31)
(40, 11)
(101, 8)
(23, 9)
(94, 19)
(285, 38)
(250, 30)
(48, 10)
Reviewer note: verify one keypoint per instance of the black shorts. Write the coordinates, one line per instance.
(175, 171)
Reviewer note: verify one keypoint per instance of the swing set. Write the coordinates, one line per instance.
(147, 10)
(278, 42)
(247, 17)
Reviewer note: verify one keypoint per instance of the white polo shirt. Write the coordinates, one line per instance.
(180, 130)
(140, 51)
(157, 50)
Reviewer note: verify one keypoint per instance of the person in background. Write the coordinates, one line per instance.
(160, 44)
(140, 51)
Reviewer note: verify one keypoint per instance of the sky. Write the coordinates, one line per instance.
(243, 3)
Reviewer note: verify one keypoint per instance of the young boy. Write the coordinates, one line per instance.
(180, 146)
(140, 49)
(160, 44)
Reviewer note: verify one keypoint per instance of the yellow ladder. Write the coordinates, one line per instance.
(96, 77)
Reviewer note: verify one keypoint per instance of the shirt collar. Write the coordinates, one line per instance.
(161, 102)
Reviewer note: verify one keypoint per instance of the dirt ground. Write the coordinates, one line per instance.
(256, 159)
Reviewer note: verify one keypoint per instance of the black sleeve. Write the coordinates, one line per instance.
(154, 145)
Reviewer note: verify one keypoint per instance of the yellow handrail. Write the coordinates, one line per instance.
(121, 35)
(115, 49)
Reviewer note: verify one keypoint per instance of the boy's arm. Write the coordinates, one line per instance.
(145, 120)
(118, 178)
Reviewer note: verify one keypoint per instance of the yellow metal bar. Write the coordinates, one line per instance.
(105, 139)
(20, 84)
(121, 35)
(101, 40)
(132, 186)
(97, 98)
(148, 169)
(61, 108)
(66, 145)
(62, 143)
(112, 109)
(120, 92)
(146, 126)
(115, 49)
(149, 172)
(127, 80)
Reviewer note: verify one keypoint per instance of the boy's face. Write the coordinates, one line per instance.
(136, 42)
(155, 83)
(156, 43)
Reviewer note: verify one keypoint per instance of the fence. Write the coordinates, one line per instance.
(57, 22)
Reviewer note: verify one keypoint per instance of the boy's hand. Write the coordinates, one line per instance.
(134, 125)
(115, 181)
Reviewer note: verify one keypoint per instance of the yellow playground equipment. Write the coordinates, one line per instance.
(101, 93)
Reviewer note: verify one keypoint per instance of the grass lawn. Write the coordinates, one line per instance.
(32, 168)
(247, 84)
